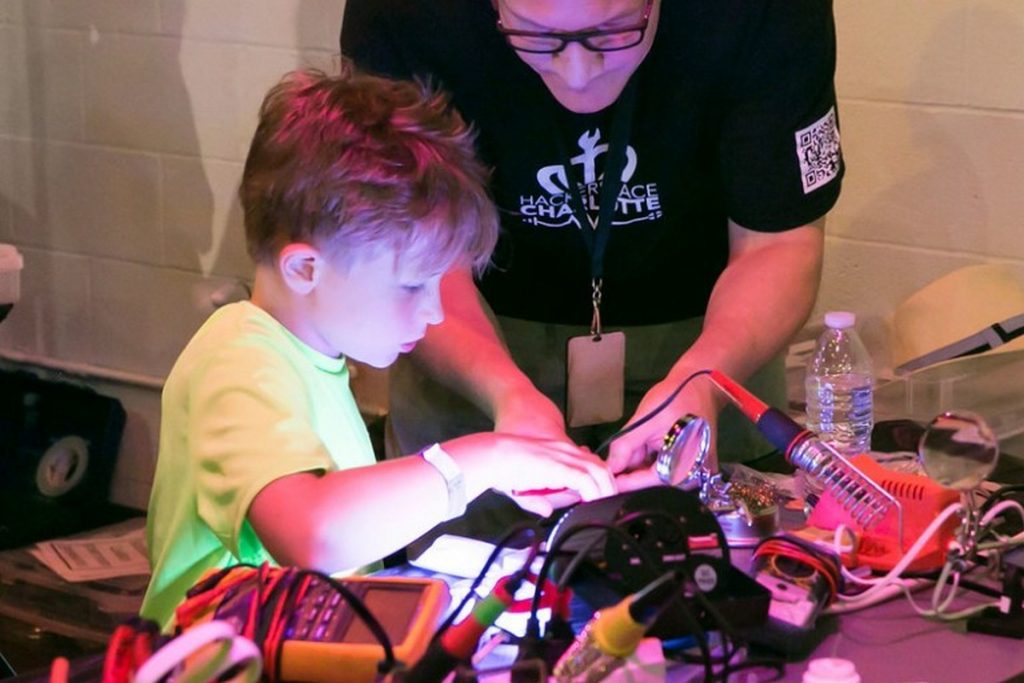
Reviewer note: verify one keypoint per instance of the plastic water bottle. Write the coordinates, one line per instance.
(839, 387)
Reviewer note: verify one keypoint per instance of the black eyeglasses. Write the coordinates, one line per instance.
(598, 40)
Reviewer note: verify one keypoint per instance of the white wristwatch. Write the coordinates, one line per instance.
(453, 479)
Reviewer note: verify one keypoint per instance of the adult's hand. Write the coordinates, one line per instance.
(466, 352)
(629, 455)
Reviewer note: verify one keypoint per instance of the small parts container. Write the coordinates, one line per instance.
(990, 385)
(11, 264)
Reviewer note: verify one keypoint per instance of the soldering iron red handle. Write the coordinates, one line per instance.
(781, 431)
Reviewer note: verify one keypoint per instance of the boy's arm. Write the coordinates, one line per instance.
(349, 518)
(466, 353)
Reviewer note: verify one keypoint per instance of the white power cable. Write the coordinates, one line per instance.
(901, 566)
(890, 585)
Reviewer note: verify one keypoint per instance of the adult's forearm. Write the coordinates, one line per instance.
(465, 352)
(760, 302)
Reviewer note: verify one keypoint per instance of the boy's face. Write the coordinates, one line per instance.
(582, 80)
(376, 308)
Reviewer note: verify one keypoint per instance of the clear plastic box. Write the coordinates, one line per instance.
(11, 264)
(991, 385)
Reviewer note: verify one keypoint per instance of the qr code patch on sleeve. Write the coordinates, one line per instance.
(817, 148)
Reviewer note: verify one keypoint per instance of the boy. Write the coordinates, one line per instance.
(359, 195)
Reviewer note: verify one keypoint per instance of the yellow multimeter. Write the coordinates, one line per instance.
(307, 628)
(340, 648)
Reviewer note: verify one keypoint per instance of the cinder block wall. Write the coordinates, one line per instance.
(124, 124)
(932, 114)
(123, 129)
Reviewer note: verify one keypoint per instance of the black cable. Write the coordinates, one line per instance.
(979, 588)
(498, 547)
(729, 634)
(775, 663)
(997, 496)
(553, 551)
(285, 589)
(360, 608)
(654, 411)
(694, 623)
(647, 560)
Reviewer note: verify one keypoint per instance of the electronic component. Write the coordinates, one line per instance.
(802, 579)
(614, 633)
(307, 625)
(659, 529)
(1006, 619)
(458, 642)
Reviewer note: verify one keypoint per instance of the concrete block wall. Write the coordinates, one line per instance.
(932, 115)
(124, 125)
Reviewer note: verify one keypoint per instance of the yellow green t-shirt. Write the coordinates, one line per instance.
(246, 403)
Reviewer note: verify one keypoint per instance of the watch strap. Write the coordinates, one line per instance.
(453, 479)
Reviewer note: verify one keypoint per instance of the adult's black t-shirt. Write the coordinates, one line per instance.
(735, 118)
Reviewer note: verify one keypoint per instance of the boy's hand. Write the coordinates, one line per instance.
(536, 473)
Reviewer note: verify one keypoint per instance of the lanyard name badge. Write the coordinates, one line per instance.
(596, 362)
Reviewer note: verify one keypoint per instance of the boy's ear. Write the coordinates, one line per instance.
(301, 265)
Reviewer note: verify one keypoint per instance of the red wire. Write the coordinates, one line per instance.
(116, 668)
(782, 549)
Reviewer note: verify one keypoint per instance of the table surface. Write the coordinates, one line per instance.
(890, 642)
(887, 642)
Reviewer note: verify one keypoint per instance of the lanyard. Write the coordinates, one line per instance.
(595, 237)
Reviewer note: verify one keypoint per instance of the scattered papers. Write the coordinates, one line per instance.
(91, 559)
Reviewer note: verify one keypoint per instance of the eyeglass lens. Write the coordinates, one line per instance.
(602, 42)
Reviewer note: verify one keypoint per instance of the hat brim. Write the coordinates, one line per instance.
(1002, 356)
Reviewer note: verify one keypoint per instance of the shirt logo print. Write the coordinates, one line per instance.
(551, 207)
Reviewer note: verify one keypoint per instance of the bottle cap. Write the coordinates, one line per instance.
(831, 670)
(840, 320)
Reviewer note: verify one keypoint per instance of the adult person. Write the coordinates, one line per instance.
(718, 118)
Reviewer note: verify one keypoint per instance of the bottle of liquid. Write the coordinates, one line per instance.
(839, 387)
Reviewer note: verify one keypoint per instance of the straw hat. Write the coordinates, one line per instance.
(960, 321)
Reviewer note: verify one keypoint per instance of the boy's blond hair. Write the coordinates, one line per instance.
(354, 162)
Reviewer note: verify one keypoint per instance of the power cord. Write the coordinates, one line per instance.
(650, 414)
(948, 580)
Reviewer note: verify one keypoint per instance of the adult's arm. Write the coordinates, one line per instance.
(466, 353)
(762, 298)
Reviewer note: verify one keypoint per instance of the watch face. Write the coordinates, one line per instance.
(684, 451)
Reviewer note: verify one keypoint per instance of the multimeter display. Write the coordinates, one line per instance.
(395, 608)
